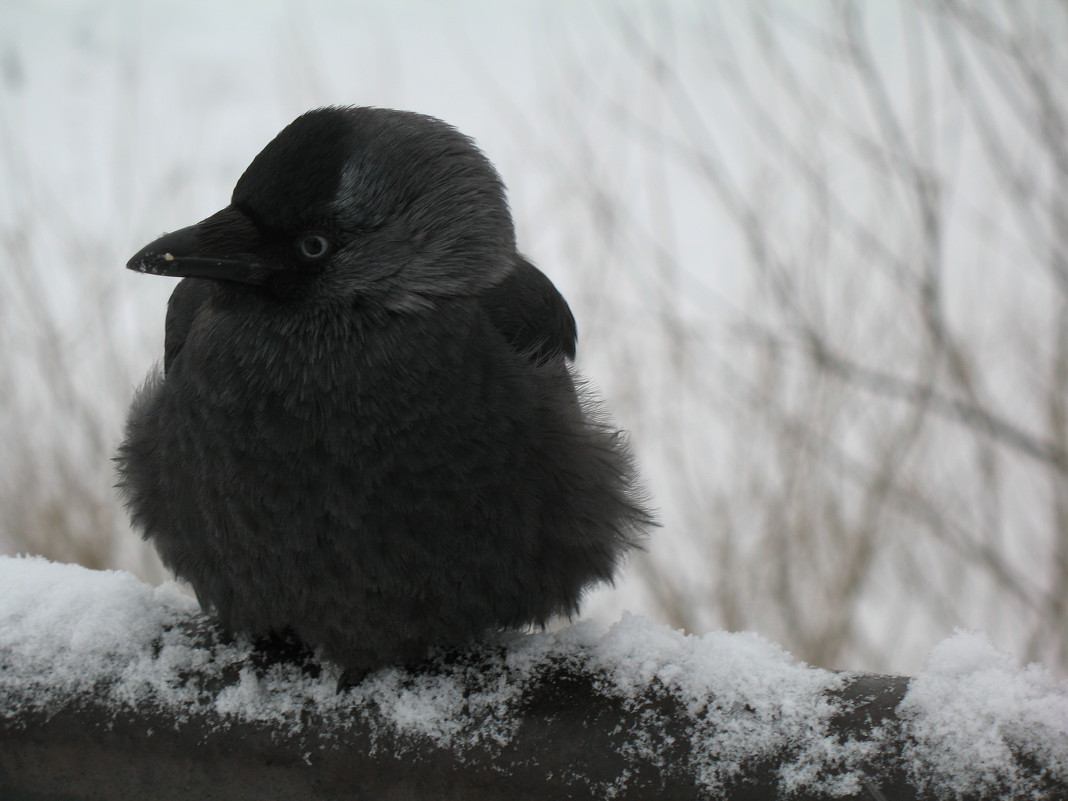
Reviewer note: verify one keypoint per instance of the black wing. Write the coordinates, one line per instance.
(532, 314)
(182, 308)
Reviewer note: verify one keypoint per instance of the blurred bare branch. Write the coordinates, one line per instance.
(882, 453)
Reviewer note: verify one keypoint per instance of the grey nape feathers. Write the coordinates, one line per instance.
(367, 432)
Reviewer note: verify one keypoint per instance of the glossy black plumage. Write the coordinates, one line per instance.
(367, 431)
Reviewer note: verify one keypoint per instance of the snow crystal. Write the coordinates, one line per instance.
(967, 720)
(65, 628)
(748, 700)
(971, 711)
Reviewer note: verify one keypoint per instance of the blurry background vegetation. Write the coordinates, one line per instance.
(818, 252)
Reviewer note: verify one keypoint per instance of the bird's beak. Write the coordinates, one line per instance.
(221, 247)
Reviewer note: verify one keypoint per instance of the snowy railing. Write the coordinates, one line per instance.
(112, 690)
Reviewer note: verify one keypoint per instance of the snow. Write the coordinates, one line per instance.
(965, 721)
(64, 627)
(972, 707)
(747, 697)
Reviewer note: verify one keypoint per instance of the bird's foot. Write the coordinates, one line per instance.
(284, 647)
(351, 678)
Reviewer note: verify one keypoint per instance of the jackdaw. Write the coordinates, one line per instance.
(367, 432)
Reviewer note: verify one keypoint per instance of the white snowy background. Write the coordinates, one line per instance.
(817, 257)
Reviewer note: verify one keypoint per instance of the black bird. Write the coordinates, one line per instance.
(367, 431)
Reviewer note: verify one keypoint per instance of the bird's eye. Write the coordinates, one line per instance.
(313, 246)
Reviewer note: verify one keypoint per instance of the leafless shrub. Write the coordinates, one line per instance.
(867, 445)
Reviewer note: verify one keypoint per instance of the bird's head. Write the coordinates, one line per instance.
(361, 205)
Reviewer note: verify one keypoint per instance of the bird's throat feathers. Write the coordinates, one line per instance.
(318, 351)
